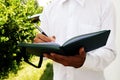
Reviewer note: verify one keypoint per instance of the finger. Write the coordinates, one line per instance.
(53, 38)
(36, 40)
(48, 56)
(43, 37)
(58, 58)
(53, 57)
(82, 52)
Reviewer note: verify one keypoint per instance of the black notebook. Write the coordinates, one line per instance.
(90, 41)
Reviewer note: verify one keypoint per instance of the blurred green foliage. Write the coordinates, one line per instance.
(48, 73)
(15, 27)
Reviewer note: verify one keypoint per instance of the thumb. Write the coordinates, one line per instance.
(82, 51)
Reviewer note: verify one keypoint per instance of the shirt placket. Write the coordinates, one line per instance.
(70, 21)
(71, 7)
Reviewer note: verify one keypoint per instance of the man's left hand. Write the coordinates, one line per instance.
(74, 61)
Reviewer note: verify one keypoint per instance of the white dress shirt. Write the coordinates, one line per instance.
(68, 18)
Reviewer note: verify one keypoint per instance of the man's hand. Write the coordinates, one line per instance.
(42, 38)
(74, 61)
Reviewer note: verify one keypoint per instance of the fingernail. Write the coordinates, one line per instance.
(54, 37)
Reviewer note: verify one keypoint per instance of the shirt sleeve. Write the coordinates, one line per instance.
(99, 59)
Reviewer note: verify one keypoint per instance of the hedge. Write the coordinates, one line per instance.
(15, 27)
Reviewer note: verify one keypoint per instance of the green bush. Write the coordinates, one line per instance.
(15, 28)
(48, 73)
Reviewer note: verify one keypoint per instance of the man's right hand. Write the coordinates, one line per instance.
(39, 38)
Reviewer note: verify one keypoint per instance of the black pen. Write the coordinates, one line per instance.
(40, 29)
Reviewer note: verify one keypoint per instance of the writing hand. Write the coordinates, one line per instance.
(42, 38)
